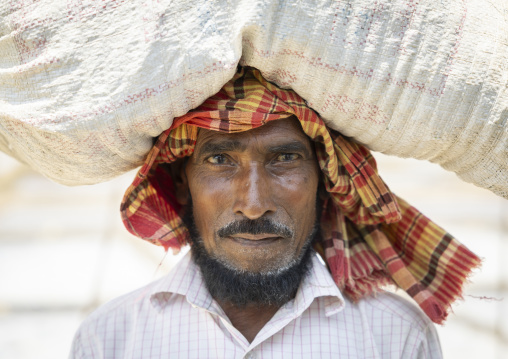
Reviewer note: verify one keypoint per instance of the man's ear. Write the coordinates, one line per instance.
(177, 171)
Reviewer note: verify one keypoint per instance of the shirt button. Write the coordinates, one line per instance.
(250, 355)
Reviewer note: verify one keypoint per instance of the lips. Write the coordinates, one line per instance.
(257, 229)
(255, 239)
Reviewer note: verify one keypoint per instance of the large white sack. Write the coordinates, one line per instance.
(86, 84)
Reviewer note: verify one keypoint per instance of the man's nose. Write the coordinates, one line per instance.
(253, 192)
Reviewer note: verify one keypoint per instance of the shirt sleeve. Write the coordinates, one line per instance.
(423, 344)
(85, 345)
(398, 328)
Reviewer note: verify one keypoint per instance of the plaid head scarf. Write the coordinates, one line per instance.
(370, 237)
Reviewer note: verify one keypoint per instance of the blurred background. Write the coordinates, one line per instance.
(64, 251)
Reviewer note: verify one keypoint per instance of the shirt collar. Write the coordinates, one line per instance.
(318, 283)
(185, 279)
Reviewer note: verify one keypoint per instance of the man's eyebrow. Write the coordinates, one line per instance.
(222, 146)
(295, 146)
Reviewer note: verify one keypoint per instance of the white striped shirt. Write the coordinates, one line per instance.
(175, 317)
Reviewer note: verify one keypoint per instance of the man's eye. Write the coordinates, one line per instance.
(217, 159)
(285, 157)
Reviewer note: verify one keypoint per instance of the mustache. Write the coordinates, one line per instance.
(255, 226)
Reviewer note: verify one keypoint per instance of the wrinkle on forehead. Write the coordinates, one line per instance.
(210, 141)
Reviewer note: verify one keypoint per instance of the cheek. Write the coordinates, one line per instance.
(210, 200)
(300, 184)
(297, 194)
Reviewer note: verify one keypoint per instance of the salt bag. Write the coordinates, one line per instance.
(85, 85)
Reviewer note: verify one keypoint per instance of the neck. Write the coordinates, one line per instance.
(249, 319)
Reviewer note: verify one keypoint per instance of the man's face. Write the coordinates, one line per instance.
(268, 175)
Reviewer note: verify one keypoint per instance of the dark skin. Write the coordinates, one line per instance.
(249, 320)
(269, 172)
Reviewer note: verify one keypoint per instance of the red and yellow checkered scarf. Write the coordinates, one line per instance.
(370, 237)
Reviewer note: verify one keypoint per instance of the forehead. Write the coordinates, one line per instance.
(285, 130)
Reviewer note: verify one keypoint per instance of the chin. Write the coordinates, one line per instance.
(260, 265)
(258, 261)
(242, 286)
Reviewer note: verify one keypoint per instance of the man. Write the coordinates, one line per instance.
(257, 184)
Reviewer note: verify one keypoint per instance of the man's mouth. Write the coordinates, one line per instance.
(255, 239)
(255, 230)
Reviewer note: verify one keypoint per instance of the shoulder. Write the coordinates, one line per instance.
(395, 307)
(397, 327)
(127, 303)
(148, 299)
(113, 322)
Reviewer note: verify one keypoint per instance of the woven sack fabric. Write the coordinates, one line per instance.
(86, 84)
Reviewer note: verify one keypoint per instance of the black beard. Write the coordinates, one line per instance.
(241, 288)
